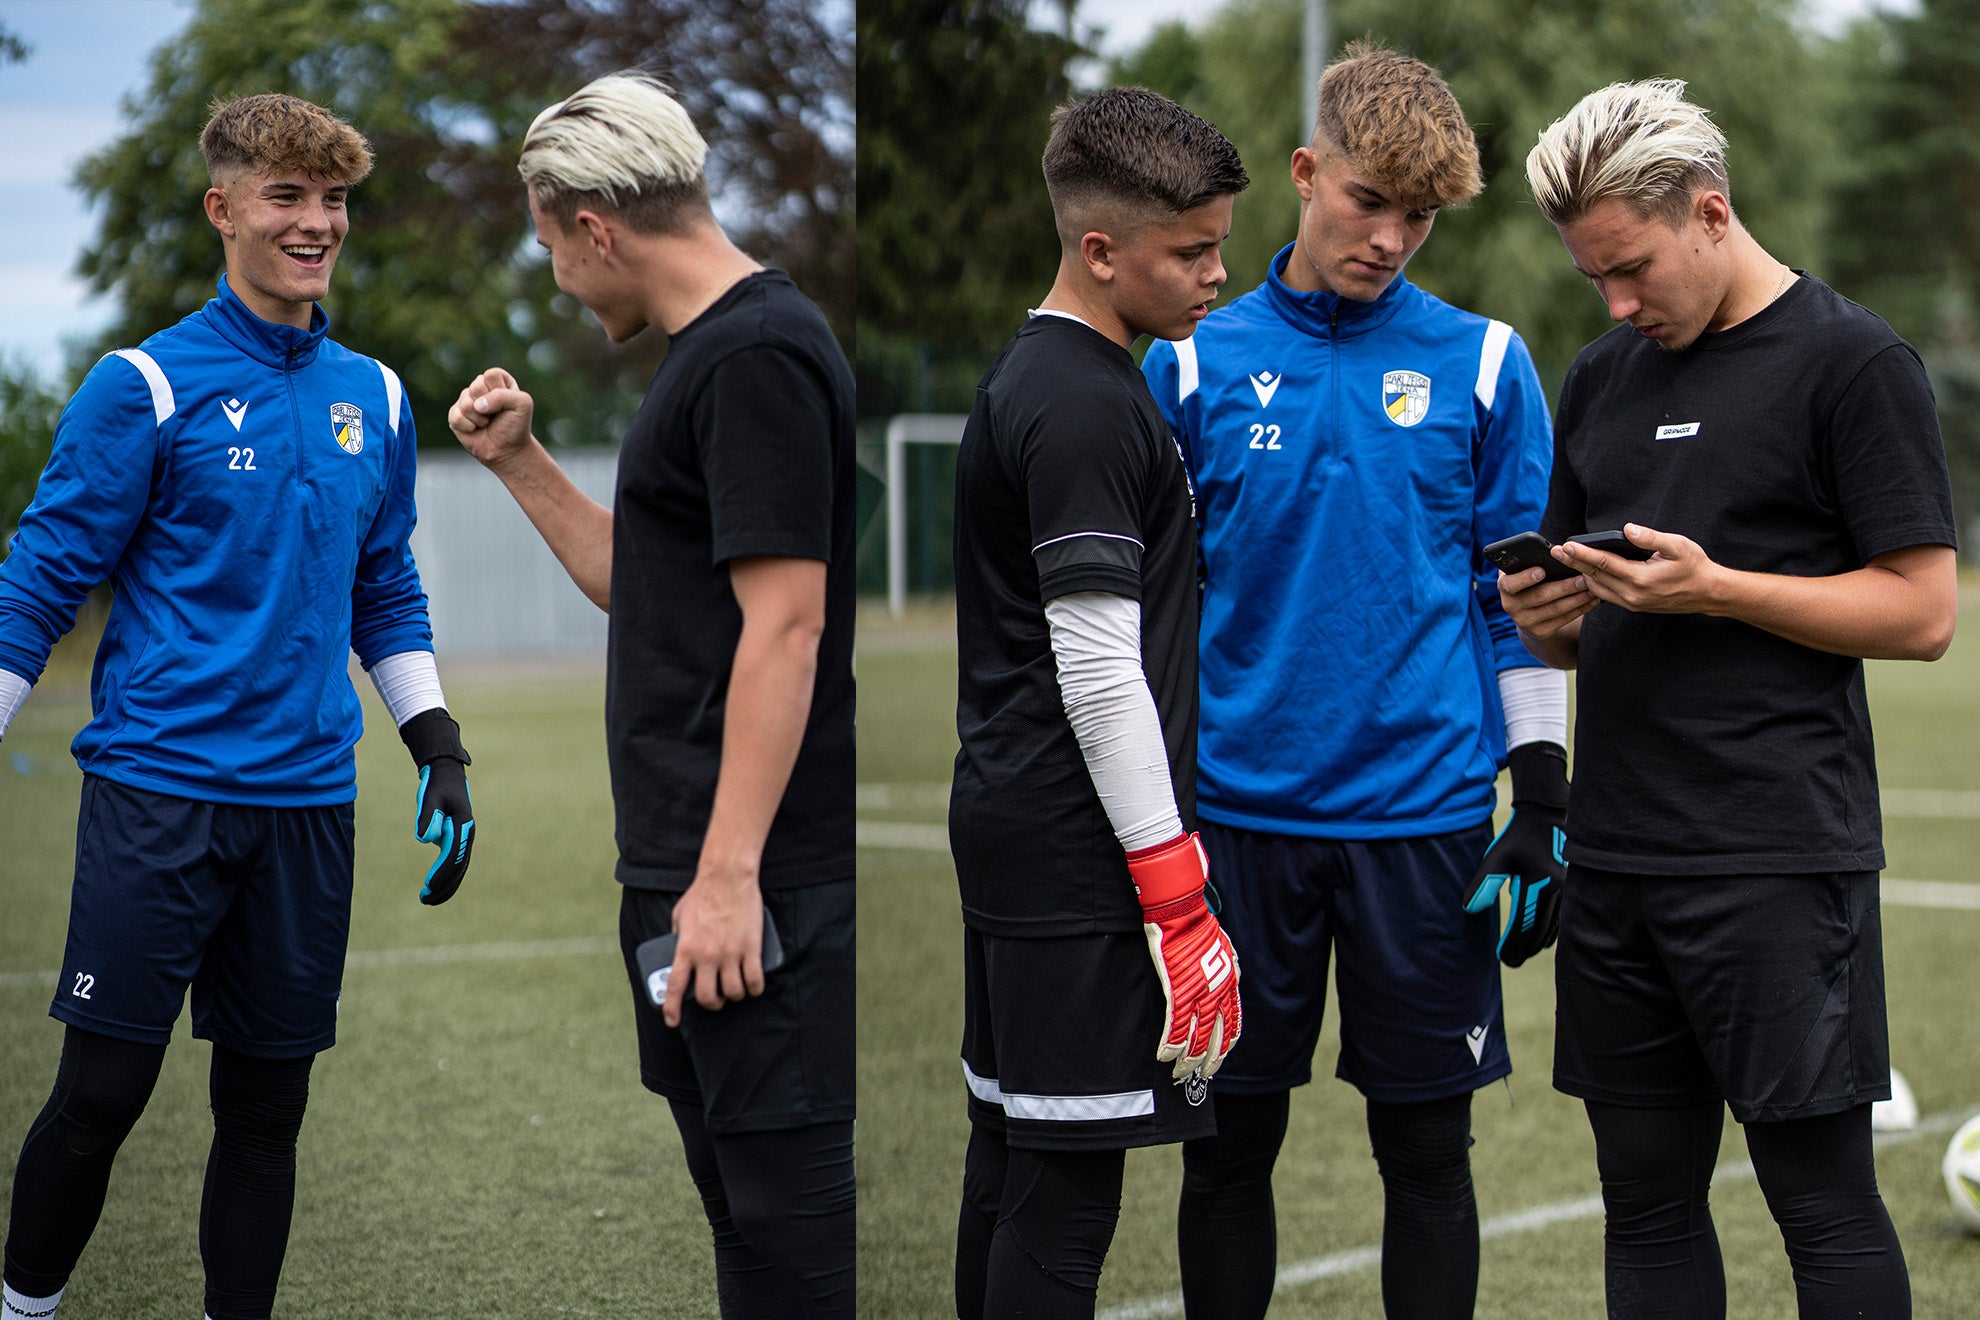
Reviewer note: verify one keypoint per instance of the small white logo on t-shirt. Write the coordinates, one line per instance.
(1265, 385)
(236, 410)
(1476, 1039)
(1677, 432)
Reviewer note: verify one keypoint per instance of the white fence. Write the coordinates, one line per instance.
(492, 586)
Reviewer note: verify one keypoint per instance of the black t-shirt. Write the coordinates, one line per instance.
(743, 446)
(1802, 441)
(1068, 481)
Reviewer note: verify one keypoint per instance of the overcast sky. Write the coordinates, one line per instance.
(87, 55)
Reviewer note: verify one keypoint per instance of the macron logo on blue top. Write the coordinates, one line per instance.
(1265, 385)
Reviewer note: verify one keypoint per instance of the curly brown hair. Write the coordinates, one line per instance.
(1394, 116)
(271, 132)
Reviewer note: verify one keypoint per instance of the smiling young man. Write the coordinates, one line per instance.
(1355, 442)
(1100, 995)
(1776, 447)
(726, 563)
(245, 484)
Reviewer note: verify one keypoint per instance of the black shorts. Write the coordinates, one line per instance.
(250, 906)
(1059, 1041)
(1416, 976)
(781, 1060)
(1766, 991)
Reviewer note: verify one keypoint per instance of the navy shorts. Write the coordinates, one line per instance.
(1417, 977)
(250, 906)
(1766, 991)
(783, 1059)
(1059, 1041)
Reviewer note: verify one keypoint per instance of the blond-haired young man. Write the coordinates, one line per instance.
(246, 485)
(1356, 443)
(1774, 447)
(726, 563)
(1100, 995)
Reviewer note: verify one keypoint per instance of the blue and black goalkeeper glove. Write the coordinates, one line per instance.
(1525, 860)
(444, 815)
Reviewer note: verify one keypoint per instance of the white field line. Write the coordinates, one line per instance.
(504, 951)
(1498, 1226)
(902, 835)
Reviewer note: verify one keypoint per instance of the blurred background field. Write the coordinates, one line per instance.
(1534, 1160)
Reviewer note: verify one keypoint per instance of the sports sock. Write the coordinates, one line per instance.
(1819, 1176)
(1429, 1215)
(250, 1192)
(19, 1306)
(1226, 1223)
(1660, 1251)
(101, 1087)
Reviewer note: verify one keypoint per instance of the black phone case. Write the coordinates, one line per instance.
(1613, 543)
(655, 958)
(1527, 550)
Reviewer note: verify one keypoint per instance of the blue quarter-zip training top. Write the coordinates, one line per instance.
(1351, 461)
(247, 490)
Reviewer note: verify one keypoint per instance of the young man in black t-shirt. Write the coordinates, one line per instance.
(1774, 446)
(726, 563)
(1100, 993)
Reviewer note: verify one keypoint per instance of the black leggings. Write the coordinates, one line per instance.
(1226, 1224)
(1661, 1254)
(781, 1207)
(1034, 1229)
(101, 1088)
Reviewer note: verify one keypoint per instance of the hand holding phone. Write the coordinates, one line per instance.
(1527, 550)
(655, 958)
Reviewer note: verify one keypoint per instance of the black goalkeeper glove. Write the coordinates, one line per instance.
(443, 814)
(1525, 860)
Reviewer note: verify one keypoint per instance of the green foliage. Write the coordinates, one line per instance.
(28, 410)
(955, 235)
(439, 276)
(12, 49)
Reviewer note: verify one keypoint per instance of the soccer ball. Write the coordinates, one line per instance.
(1900, 1112)
(1962, 1170)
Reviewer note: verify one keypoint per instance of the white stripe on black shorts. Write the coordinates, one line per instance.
(1059, 1041)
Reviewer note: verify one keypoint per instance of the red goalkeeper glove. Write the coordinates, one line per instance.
(1193, 956)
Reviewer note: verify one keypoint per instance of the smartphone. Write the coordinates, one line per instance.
(1516, 554)
(1613, 543)
(655, 958)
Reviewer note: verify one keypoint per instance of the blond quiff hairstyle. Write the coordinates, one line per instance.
(1641, 142)
(1394, 116)
(621, 143)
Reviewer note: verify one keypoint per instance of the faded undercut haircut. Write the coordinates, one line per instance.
(1641, 142)
(272, 133)
(1125, 157)
(622, 144)
(1393, 116)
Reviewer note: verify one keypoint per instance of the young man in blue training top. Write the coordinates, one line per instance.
(1355, 443)
(245, 484)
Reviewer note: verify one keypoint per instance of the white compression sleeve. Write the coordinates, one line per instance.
(1096, 639)
(1536, 705)
(409, 683)
(13, 691)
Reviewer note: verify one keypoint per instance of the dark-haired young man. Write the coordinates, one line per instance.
(726, 563)
(1355, 443)
(246, 485)
(1100, 992)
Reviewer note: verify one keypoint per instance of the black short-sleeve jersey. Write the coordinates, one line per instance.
(743, 446)
(1068, 481)
(1802, 441)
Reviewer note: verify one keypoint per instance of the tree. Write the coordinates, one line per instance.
(955, 100)
(28, 410)
(439, 276)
